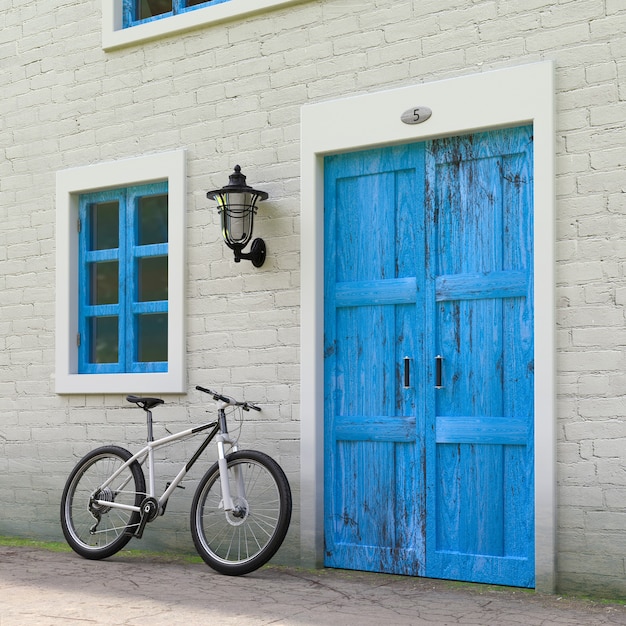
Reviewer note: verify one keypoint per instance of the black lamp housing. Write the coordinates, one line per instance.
(236, 203)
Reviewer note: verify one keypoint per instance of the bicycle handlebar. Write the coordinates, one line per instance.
(246, 406)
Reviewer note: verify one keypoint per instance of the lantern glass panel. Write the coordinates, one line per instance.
(237, 219)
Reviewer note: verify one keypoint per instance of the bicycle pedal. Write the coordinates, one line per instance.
(167, 486)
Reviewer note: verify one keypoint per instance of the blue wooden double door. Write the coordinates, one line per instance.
(428, 359)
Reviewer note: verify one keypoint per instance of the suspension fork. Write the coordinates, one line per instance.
(222, 438)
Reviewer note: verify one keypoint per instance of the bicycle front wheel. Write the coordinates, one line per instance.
(242, 540)
(97, 531)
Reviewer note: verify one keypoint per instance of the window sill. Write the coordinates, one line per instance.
(115, 36)
(119, 383)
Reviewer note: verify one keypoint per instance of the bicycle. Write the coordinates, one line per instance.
(240, 511)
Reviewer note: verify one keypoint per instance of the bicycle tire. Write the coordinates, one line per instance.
(97, 532)
(239, 542)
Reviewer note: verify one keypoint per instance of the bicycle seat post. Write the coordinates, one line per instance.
(149, 423)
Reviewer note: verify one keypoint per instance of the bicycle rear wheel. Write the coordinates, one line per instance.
(96, 531)
(240, 541)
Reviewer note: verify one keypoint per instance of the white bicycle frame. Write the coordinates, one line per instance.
(219, 433)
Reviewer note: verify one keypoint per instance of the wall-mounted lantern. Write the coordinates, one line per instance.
(236, 203)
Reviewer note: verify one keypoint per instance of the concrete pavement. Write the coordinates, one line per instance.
(51, 588)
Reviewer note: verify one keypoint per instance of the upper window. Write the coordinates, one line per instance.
(123, 280)
(120, 276)
(127, 22)
(138, 11)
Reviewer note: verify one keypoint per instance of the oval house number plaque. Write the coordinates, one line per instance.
(416, 115)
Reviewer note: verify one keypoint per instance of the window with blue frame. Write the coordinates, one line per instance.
(140, 11)
(123, 280)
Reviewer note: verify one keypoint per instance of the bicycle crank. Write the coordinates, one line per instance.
(149, 510)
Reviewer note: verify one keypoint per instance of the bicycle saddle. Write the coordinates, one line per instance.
(145, 403)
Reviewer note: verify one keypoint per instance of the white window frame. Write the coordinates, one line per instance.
(114, 35)
(507, 97)
(70, 184)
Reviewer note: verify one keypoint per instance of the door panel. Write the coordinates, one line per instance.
(374, 489)
(428, 252)
(480, 460)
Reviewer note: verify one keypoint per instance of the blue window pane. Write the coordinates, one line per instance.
(152, 279)
(152, 220)
(124, 280)
(104, 283)
(152, 338)
(150, 8)
(103, 340)
(104, 226)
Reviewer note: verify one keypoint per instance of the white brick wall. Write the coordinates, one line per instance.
(232, 93)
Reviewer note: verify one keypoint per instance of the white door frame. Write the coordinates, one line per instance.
(507, 97)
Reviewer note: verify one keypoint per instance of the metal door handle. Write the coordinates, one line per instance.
(438, 372)
(407, 372)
